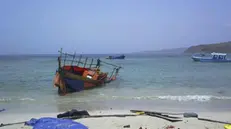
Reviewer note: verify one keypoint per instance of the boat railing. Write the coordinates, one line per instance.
(77, 60)
(86, 62)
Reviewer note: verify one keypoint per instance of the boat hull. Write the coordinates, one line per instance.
(206, 59)
(76, 86)
(69, 81)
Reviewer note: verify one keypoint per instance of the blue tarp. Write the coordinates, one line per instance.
(54, 123)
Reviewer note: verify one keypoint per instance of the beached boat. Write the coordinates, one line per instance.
(75, 74)
(214, 57)
(116, 57)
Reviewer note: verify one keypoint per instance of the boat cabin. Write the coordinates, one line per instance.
(219, 56)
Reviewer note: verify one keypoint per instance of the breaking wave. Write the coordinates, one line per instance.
(5, 99)
(182, 98)
(199, 98)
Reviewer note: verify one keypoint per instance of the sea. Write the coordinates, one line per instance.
(157, 82)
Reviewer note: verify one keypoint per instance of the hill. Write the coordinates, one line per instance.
(224, 47)
(164, 51)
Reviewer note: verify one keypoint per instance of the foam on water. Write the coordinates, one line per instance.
(199, 98)
(5, 99)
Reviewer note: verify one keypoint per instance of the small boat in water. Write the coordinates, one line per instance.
(116, 57)
(75, 74)
(214, 57)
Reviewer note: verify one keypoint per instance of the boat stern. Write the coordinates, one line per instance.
(195, 58)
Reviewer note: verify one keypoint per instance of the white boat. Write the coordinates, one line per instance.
(214, 57)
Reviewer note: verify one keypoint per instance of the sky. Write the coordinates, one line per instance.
(110, 26)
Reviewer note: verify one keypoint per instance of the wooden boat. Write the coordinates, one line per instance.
(75, 74)
(214, 57)
(116, 57)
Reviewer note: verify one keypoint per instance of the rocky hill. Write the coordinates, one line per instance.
(224, 47)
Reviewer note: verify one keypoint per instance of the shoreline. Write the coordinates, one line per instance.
(118, 122)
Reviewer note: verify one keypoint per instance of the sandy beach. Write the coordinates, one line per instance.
(135, 122)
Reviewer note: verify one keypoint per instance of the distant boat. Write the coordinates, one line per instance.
(116, 57)
(214, 57)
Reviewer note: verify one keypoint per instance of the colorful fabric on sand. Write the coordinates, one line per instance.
(54, 123)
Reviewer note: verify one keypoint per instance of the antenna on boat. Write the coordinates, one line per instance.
(79, 60)
(85, 62)
(73, 58)
(65, 58)
(60, 51)
(91, 62)
(60, 56)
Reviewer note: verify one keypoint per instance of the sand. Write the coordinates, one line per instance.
(117, 123)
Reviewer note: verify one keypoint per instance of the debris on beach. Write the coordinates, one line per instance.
(54, 123)
(1, 110)
(73, 113)
(227, 126)
(170, 127)
(159, 115)
(127, 126)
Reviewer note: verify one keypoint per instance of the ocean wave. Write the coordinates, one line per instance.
(27, 99)
(199, 98)
(5, 99)
(180, 98)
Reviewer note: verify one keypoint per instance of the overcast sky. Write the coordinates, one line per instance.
(110, 26)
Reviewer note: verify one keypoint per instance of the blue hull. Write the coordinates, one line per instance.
(206, 59)
(116, 57)
(73, 85)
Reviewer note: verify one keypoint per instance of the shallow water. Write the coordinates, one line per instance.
(163, 82)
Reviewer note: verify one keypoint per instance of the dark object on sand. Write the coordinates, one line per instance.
(160, 113)
(163, 117)
(2, 125)
(127, 126)
(73, 113)
(97, 116)
(1, 110)
(216, 121)
(190, 114)
(186, 115)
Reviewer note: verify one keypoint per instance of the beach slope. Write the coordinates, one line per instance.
(135, 122)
